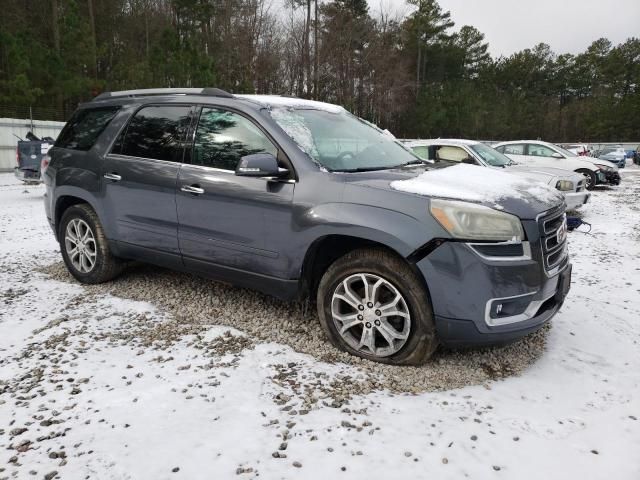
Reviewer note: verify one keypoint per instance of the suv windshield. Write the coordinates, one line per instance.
(342, 142)
(491, 156)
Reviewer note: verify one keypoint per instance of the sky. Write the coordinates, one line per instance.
(568, 26)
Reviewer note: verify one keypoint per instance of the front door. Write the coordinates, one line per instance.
(228, 220)
(542, 156)
(140, 175)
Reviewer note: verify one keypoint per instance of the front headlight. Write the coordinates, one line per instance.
(605, 168)
(476, 222)
(565, 186)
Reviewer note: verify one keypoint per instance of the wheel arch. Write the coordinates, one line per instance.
(329, 248)
(66, 200)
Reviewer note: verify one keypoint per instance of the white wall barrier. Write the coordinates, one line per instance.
(12, 127)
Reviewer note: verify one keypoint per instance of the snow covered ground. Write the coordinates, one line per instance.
(94, 385)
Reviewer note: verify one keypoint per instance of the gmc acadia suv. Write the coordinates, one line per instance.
(300, 199)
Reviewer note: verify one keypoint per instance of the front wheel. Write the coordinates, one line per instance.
(371, 304)
(590, 178)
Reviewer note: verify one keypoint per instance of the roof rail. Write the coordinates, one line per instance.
(213, 92)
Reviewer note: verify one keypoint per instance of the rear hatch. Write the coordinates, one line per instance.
(30, 153)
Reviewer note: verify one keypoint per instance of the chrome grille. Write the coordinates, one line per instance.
(553, 238)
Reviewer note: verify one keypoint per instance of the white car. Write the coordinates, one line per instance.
(544, 154)
(452, 151)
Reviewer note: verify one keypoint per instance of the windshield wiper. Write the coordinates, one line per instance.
(363, 169)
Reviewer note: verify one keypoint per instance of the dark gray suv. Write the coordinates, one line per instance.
(300, 199)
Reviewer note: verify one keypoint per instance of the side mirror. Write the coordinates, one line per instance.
(556, 155)
(259, 165)
(469, 161)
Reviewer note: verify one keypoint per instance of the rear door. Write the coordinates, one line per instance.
(139, 179)
(229, 220)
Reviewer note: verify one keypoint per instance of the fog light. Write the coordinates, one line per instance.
(509, 307)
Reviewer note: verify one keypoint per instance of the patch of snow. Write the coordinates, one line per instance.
(476, 184)
(575, 413)
(290, 102)
(295, 126)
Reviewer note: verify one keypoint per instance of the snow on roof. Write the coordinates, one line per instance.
(475, 184)
(292, 102)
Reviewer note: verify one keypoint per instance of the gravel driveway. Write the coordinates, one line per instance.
(166, 375)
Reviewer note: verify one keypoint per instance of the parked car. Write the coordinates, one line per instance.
(30, 155)
(300, 199)
(543, 154)
(449, 152)
(616, 155)
(580, 149)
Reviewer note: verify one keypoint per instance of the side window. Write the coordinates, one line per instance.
(500, 149)
(223, 137)
(540, 150)
(451, 154)
(156, 132)
(422, 151)
(84, 128)
(513, 149)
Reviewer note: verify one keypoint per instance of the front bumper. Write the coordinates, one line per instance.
(609, 178)
(576, 199)
(468, 290)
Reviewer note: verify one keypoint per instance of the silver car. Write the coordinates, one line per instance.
(452, 151)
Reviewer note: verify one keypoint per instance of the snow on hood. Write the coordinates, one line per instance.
(476, 184)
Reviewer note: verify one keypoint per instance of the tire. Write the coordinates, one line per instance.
(75, 222)
(590, 178)
(413, 339)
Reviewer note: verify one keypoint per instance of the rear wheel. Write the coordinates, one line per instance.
(590, 178)
(85, 249)
(371, 304)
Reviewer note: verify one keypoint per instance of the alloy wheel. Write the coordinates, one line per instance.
(80, 245)
(371, 315)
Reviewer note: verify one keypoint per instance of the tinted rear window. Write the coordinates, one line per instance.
(84, 128)
(156, 132)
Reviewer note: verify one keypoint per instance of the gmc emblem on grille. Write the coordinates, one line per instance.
(561, 234)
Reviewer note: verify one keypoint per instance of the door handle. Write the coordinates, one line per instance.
(113, 176)
(193, 189)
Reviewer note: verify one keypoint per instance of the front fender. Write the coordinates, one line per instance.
(400, 232)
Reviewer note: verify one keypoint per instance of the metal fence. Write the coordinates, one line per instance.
(36, 112)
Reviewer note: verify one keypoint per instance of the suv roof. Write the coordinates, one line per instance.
(214, 92)
(264, 101)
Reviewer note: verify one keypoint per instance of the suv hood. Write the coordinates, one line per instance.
(496, 189)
